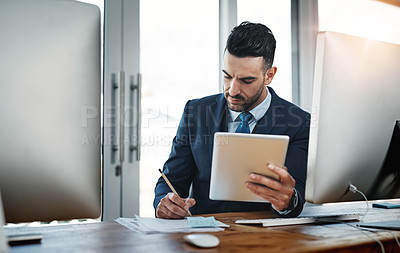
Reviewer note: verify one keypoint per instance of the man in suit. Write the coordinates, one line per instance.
(247, 71)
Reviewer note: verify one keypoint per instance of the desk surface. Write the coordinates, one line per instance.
(113, 237)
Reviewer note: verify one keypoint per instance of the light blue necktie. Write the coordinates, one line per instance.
(244, 124)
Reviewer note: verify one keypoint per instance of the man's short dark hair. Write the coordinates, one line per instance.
(252, 39)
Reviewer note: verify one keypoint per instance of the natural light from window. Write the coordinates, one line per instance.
(178, 61)
(364, 18)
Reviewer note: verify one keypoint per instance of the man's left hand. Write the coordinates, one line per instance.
(278, 193)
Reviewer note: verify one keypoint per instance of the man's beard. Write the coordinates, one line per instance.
(248, 104)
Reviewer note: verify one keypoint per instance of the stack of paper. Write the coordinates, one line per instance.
(157, 225)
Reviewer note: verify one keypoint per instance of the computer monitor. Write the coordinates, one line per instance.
(354, 120)
(50, 167)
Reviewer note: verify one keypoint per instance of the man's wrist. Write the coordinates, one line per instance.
(294, 200)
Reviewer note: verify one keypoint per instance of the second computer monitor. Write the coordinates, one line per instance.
(50, 87)
(356, 104)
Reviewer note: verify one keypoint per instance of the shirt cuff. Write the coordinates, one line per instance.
(292, 205)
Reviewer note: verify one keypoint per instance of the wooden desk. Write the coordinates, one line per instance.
(113, 237)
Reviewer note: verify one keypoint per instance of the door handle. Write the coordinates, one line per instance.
(136, 88)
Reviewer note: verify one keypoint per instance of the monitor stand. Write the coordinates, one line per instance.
(3, 239)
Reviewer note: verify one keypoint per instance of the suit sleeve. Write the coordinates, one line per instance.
(180, 166)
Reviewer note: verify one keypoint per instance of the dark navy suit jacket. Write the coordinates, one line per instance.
(189, 163)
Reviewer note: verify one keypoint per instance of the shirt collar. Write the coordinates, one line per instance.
(258, 112)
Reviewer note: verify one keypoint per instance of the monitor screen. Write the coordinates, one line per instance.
(354, 120)
(50, 88)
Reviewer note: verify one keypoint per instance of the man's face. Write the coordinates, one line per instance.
(245, 82)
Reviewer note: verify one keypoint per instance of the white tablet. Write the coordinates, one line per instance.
(236, 155)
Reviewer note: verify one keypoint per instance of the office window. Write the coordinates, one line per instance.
(276, 15)
(178, 62)
(365, 18)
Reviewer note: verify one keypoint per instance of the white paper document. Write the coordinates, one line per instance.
(157, 225)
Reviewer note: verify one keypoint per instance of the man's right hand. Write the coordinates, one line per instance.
(174, 207)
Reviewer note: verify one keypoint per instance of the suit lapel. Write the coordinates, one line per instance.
(217, 119)
(271, 118)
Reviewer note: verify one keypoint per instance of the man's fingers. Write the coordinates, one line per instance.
(266, 182)
(164, 212)
(189, 202)
(278, 193)
(281, 172)
(267, 192)
(271, 183)
(278, 199)
(176, 199)
(174, 207)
